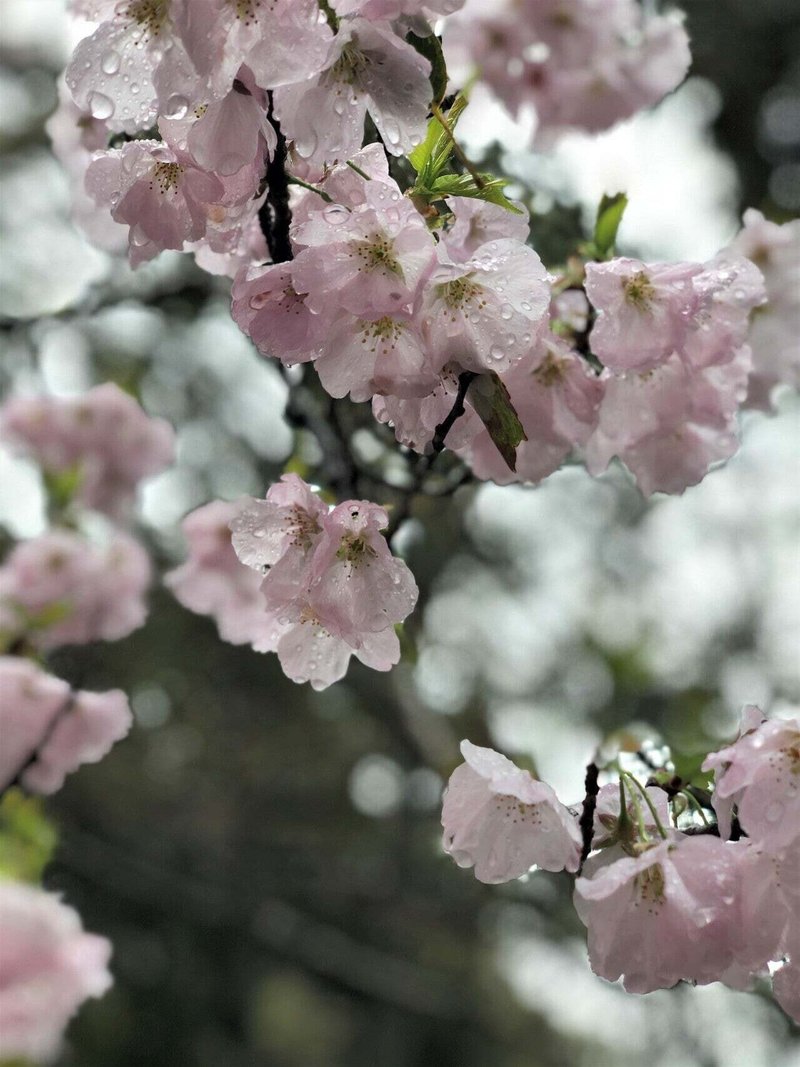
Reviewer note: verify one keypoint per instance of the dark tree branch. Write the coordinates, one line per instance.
(592, 787)
(275, 215)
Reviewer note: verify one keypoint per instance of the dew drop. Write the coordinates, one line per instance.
(176, 107)
(100, 105)
(773, 812)
(110, 62)
(335, 214)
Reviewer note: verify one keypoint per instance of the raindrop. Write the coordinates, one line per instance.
(335, 214)
(110, 62)
(176, 108)
(100, 105)
(774, 812)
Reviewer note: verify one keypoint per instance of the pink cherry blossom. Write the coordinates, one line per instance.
(774, 335)
(476, 222)
(502, 821)
(641, 309)
(358, 586)
(769, 907)
(30, 700)
(665, 915)
(102, 436)
(371, 258)
(557, 398)
(332, 587)
(486, 312)
(84, 732)
(584, 64)
(60, 589)
(225, 135)
(48, 967)
(670, 424)
(282, 42)
(606, 828)
(369, 68)
(163, 196)
(132, 65)
(213, 582)
(760, 774)
(275, 316)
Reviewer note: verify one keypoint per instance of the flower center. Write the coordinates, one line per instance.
(166, 176)
(151, 15)
(459, 292)
(639, 291)
(377, 253)
(350, 65)
(649, 885)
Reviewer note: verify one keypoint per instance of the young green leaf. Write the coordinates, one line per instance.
(493, 405)
(609, 216)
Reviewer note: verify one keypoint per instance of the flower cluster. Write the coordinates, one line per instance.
(102, 442)
(197, 92)
(316, 585)
(580, 64)
(665, 895)
(379, 305)
(59, 588)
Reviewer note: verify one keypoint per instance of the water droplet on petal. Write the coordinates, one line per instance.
(101, 106)
(110, 62)
(176, 107)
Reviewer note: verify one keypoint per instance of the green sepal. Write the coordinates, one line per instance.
(431, 48)
(490, 398)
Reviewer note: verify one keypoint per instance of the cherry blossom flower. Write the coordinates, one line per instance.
(369, 69)
(163, 196)
(332, 586)
(278, 319)
(641, 309)
(665, 915)
(83, 732)
(557, 398)
(502, 821)
(774, 336)
(282, 42)
(48, 968)
(59, 589)
(584, 64)
(133, 64)
(103, 438)
(760, 774)
(371, 259)
(213, 582)
(30, 700)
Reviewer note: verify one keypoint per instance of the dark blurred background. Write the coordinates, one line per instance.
(266, 859)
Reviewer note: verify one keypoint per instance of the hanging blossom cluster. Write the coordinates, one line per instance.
(65, 587)
(403, 277)
(290, 575)
(673, 883)
(578, 64)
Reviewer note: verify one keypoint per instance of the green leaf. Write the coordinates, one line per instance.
(431, 48)
(491, 401)
(27, 837)
(431, 157)
(464, 185)
(609, 216)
